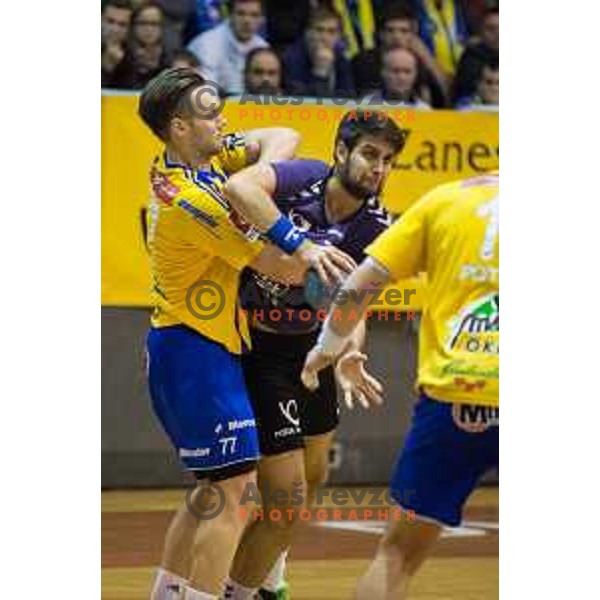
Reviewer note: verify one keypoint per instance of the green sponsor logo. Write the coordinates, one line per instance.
(480, 317)
(461, 368)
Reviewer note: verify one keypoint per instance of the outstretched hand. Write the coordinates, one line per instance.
(356, 382)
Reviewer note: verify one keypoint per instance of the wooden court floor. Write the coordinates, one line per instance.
(324, 563)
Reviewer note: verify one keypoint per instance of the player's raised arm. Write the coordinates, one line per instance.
(272, 143)
(250, 193)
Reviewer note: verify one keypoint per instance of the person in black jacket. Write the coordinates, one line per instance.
(399, 29)
(315, 65)
(475, 56)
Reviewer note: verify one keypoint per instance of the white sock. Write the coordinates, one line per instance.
(274, 580)
(167, 586)
(191, 594)
(235, 591)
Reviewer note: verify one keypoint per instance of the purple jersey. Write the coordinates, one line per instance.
(299, 194)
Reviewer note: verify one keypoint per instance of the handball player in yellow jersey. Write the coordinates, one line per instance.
(199, 243)
(452, 234)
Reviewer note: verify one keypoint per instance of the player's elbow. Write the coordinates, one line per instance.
(294, 138)
(237, 192)
(243, 185)
(279, 143)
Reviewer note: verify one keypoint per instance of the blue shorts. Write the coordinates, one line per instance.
(448, 448)
(198, 394)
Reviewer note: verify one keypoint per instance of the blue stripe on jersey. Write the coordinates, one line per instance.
(197, 213)
(210, 190)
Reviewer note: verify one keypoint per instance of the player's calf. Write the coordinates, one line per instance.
(400, 553)
(221, 524)
(271, 530)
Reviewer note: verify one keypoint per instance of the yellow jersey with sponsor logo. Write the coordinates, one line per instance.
(452, 234)
(198, 247)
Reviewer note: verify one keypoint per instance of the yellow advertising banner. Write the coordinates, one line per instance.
(442, 146)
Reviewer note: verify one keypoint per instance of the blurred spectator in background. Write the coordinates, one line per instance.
(146, 54)
(443, 28)
(115, 21)
(398, 29)
(222, 51)
(262, 74)
(185, 58)
(286, 22)
(484, 49)
(315, 65)
(402, 80)
(474, 11)
(179, 18)
(488, 89)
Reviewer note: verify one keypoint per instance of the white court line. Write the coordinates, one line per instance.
(468, 529)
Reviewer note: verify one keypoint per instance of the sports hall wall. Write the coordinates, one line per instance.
(441, 146)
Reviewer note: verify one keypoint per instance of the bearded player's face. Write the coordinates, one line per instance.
(363, 171)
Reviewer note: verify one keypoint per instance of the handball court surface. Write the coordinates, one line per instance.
(327, 557)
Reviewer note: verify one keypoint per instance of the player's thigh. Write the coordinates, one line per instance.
(199, 395)
(316, 457)
(221, 492)
(273, 387)
(281, 473)
(440, 463)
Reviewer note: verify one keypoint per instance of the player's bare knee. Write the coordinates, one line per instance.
(409, 543)
(284, 521)
(284, 507)
(317, 464)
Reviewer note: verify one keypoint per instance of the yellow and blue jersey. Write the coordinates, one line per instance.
(452, 234)
(198, 247)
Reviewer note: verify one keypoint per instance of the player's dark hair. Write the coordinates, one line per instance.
(164, 97)
(357, 123)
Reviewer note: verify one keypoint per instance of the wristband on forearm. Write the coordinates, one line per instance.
(285, 236)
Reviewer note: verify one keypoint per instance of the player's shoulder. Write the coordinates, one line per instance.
(233, 156)
(479, 186)
(487, 182)
(314, 183)
(315, 173)
(232, 141)
(168, 179)
(174, 184)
